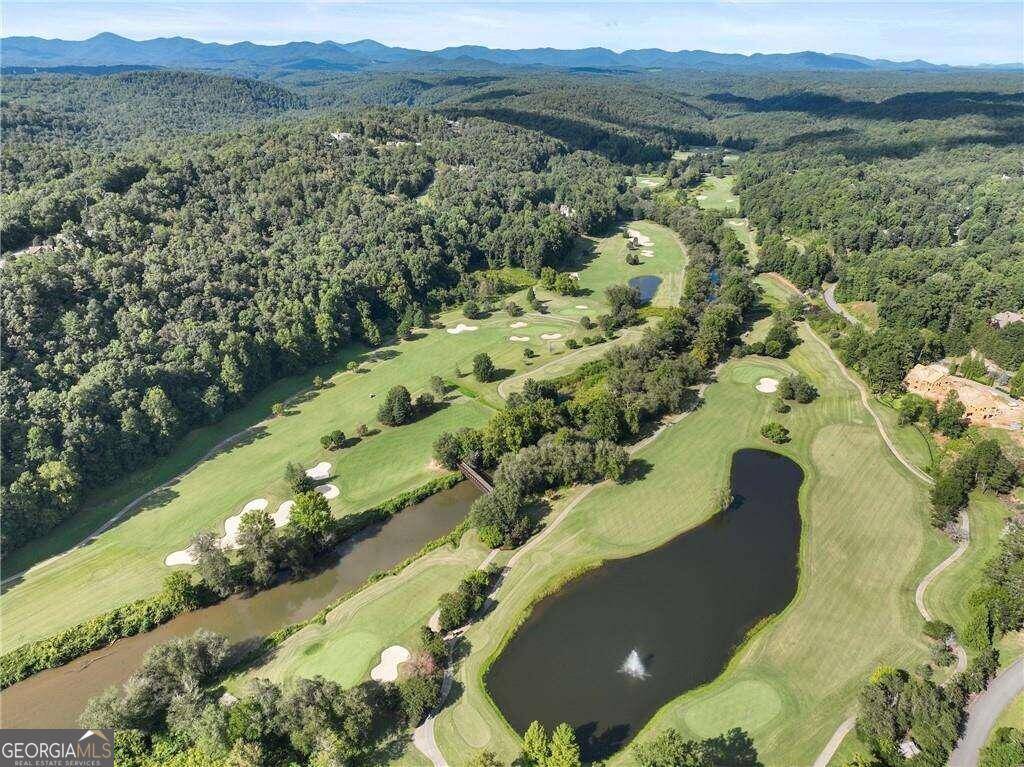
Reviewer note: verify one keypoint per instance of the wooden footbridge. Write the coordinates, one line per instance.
(482, 482)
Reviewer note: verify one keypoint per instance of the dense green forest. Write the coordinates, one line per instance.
(202, 236)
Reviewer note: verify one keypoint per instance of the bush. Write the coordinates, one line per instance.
(513, 309)
(572, 343)
(938, 630)
(333, 440)
(775, 432)
(471, 309)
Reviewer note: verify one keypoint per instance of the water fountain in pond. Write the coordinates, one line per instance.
(633, 666)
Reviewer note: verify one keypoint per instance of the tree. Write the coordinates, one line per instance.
(776, 432)
(297, 478)
(949, 420)
(564, 750)
(486, 759)
(396, 409)
(483, 367)
(333, 440)
(438, 386)
(318, 382)
(362, 430)
(212, 563)
(277, 409)
(311, 517)
(531, 299)
(471, 310)
(535, 745)
(1017, 383)
(259, 546)
(513, 309)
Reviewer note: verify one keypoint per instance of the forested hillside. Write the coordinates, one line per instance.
(184, 268)
(184, 280)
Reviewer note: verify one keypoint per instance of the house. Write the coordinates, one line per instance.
(1003, 319)
(984, 405)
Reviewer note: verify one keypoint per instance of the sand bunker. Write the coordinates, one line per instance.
(183, 557)
(460, 328)
(582, 306)
(283, 514)
(321, 471)
(328, 491)
(702, 196)
(574, 275)
(550, 336)
(517, 325)
(643, 239)
(518, 338)
(434, 624)
(647, 253)
(387, 669)
(231, 524)
(230, 538)
(767, 385)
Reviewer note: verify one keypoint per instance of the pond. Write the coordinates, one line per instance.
(609, 649)
(647, 284)
(56, 697)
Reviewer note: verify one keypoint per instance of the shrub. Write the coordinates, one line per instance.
(572, 343)
(333, 440)
(471, 309)
(775, 432)
(937, 630)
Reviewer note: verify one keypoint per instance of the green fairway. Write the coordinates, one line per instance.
(126, 561)
(865, 545)
(716, 193)
(391, 611)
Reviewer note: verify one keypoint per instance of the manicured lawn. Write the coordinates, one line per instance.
(126, 562)
(716, 193)
(1013, 716)
(391, 611)
(865, 545)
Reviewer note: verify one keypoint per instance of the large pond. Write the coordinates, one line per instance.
(647, 284)
(611, 648)
(56, 697)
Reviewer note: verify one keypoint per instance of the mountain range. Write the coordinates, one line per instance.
(21, 54)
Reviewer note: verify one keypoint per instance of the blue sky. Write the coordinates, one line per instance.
(953, 33)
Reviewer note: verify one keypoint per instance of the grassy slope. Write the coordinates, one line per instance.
(126, 562)
(865, 545)
(717, 193)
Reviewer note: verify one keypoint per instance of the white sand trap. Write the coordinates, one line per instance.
(550, 336)
(517, 325)
(283, 514)
(767, 385)
(387, 669)
(649, 182)
(183, 557)
(518, 338)
(460, 328)
(321, 471)
(647, 253)
(582, 306)
(434, 624)
(328, 491)
(574, 275)
(643, 239)
(702, 196)
(231, 524)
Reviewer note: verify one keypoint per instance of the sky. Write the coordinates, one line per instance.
(941, 32)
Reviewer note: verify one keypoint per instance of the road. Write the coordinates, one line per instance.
(830, 301)
(983, 712)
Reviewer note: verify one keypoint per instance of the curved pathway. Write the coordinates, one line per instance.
(983, 712)
(961, 655)
(829, 294)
